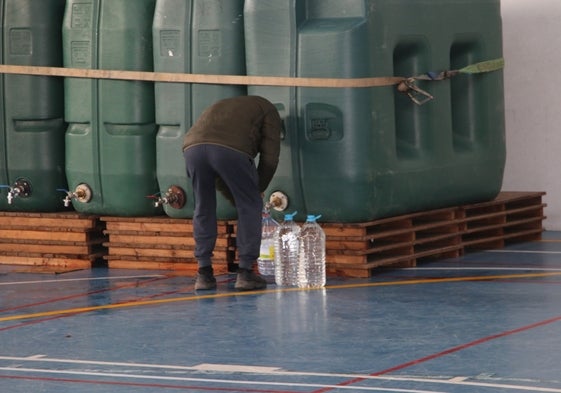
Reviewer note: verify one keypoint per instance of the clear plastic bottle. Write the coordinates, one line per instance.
(286, 251)
(311, 266)
(266, 260)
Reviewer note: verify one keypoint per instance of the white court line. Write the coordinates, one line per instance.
(523, 252)
(79, 279)
(210, 380)
(486, 268)
(275, 371)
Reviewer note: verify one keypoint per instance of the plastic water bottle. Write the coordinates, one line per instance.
(286, 251)
(311, 266)
(266, 260)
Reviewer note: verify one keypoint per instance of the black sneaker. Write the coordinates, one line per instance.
(205, 280)
(247, 280)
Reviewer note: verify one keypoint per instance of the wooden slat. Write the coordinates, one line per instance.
(44, 235)
(509, 197)
(45, 248)
(150, 252)
(161, 259)
(66, 262)
(533, 234)
(167, 240)
(189, 269)
(537, 221)
(179, 228)
(504, 214)
(91, 256)
(66, 215)
(44, 223)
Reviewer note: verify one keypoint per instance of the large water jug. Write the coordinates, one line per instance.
(311, 255)
(266, 260)
(286, 251)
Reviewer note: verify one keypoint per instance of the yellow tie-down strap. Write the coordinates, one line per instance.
(172, 77)
(249, 80)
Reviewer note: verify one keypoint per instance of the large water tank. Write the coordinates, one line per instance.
(199, 37)
(31, 108)
(357, 154)
(110, 141)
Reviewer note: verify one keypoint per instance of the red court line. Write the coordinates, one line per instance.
(79, 295)
(145, 385)
(446, 352)
(34, 322)
(138, 299)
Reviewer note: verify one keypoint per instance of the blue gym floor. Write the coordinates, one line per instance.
(489, 321)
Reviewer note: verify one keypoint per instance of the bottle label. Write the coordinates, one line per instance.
(267, 252)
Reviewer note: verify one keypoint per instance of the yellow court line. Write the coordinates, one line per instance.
(82, 310)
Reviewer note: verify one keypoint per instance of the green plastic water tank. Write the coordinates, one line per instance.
(358, 154)
(200, 37)
(110, 141)
(31, 108)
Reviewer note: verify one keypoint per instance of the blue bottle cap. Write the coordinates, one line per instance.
(312, 218)
(290, 217)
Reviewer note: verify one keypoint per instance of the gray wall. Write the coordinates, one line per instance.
(532, 50)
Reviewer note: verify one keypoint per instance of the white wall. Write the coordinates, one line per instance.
(532, 50)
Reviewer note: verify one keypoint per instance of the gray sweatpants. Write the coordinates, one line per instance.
(203, 164)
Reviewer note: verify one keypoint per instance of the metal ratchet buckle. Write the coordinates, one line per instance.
(415, 93)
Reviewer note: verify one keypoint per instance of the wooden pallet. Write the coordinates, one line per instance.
(511, 217)
(72, 240)
(160, 243)
(64, 241)
(356, 250)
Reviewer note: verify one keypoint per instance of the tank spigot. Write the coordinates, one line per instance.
(82, 193)
(21, 188)
(68, 199)
(11, 195)
(158, 200)
(174, 197)
(278, 201)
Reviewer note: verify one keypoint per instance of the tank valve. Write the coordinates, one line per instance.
(21, 188)
(174, 197)
(278, 201)
(82, 193)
